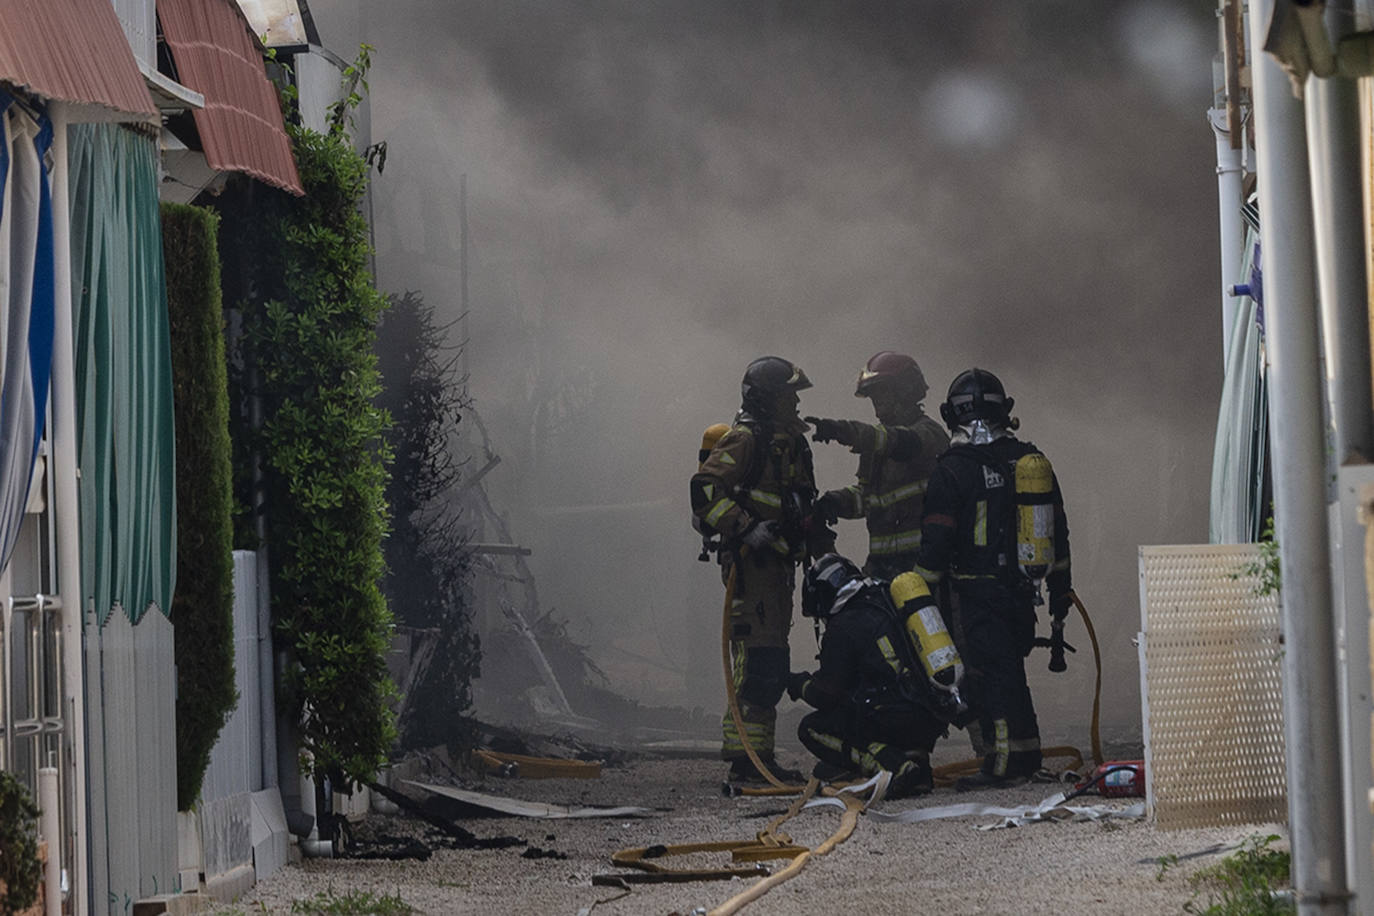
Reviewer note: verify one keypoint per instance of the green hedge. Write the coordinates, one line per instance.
(202, 607)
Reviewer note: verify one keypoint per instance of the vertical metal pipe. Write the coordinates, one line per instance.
(6, 688)
(1311, 721)
(66, 516)
(51, 833)
(1232, 231)
(1226, 125)
(1333, 142)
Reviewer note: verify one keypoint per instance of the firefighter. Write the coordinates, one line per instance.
(896, 456)
(756, 489)
(876, 709)
(972, 536)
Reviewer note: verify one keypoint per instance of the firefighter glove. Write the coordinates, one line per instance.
(761, 535)
(831, 431)
(1060, 604)
(827, 508)
(796, 684)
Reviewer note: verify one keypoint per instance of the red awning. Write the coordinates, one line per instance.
(241, 124)
(72, 51)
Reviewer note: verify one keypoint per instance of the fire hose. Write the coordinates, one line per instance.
(771, 843)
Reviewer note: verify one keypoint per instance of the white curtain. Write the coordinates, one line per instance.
(1239, 508)
(26, 292)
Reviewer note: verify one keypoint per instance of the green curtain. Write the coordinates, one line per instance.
(124, 422)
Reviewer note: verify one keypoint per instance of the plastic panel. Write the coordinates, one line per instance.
(1212, 683)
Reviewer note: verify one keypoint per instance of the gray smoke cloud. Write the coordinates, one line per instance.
(660, 192)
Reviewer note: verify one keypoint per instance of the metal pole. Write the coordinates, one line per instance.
(1225, 117)
(1333, 140)
(1229, 202)
(66, 509)
(1311, 721)
(463, 276)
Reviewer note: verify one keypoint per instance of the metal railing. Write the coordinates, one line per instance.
(31, 686)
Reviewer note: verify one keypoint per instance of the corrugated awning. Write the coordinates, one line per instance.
(241, 124)
(72, 51)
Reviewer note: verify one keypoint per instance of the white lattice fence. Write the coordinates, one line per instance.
(1211, 687)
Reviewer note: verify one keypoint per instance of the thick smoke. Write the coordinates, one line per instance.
(659, 192)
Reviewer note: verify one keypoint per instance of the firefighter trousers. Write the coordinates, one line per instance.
(866, 741)
(760, 618)
(997, 626)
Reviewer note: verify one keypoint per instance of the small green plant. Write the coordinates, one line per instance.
(19, 867)
(1166, 862)
(352, 903)
(1265, 570)
(1243, 884)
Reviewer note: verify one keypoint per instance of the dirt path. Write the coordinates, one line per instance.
(943, 866)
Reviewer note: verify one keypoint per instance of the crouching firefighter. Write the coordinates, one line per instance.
(889, 676)
(755, 489)
(995, 528)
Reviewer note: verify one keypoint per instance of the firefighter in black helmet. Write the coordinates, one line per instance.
(756, 489)
(896, 456)
(876, 709)
(995, 530)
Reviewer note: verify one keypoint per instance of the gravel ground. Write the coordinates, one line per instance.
(942, 866)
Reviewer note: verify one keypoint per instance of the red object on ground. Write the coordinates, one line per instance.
(1124, 778)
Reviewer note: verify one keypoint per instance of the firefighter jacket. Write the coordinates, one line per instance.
(969, 529)
(863, 661)
(754, 473)
(894, 464)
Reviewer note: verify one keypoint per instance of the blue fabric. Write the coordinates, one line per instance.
(27, 270)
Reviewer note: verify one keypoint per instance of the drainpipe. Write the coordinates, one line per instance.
(1226, 126)
(66, 512)
(1229, 170)
(1311, 718)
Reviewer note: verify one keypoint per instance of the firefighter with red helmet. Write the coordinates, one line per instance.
(756, 489)
(994, 530)
(896, 456)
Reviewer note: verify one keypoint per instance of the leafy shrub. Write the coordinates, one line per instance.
(20, 870)
(352, 903)
(309, 312)
(1244, 883)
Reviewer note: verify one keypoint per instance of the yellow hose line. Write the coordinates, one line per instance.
(853, 807)
(735, 714)
(1097, 687)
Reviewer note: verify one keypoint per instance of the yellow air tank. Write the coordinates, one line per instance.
(709, 437)
(1034, 515)
(926, 628)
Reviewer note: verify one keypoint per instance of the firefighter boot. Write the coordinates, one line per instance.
(911, 780)
(742, 769)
